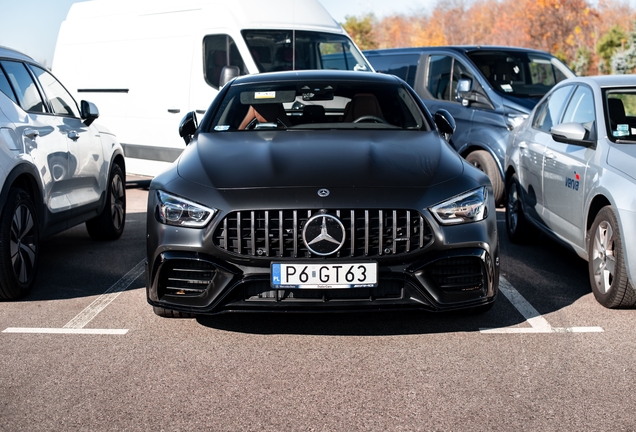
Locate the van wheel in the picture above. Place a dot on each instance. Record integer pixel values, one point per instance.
(606, 263)
(109, 225)
(517, 226)
(481, 159)
(169, 313)
(19, 245)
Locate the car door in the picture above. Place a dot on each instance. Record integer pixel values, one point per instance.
(532, 144)
(443, 74)
(43, 145)
(85, 157)
(566, 170)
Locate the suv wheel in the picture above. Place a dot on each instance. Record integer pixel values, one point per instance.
(606, 262)
(482, 160)
(109, 225)
(19, 245)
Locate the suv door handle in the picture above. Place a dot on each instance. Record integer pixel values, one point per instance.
(73, 135)
(30, 133)
(174, 110)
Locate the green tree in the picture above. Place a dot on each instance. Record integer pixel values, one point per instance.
(607, 45)
(361, 30)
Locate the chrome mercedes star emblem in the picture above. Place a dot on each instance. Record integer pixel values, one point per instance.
(323, 193)
(324, 234)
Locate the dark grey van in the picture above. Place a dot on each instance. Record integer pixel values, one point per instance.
(488, 90)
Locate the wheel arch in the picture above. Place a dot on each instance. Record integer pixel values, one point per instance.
(25, 177)
(468, 148)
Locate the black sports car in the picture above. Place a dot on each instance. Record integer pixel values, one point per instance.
(320, 191)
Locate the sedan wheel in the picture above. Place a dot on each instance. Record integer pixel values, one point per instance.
(607, 264)
(19, 240)
(517, 227)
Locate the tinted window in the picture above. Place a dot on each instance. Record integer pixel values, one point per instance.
(220, 51)
(28, 95)
(549, 113)
(403, 66)
(519, 73)
(61, 101)
(581, 109)
(439, 76)
(275, 50)
(5, 87)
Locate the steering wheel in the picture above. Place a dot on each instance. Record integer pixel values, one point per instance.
(372, 118)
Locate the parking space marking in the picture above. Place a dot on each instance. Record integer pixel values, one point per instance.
(77, 324)
(538, 324)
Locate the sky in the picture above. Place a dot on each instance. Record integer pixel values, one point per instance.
(31, 26)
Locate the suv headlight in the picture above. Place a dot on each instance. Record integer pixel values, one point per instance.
(174, 210)
(465, 208)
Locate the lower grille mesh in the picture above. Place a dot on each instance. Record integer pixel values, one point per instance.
(186, 277)
(458, 273)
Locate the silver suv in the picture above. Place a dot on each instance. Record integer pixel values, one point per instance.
(57, 169)
(571, 171)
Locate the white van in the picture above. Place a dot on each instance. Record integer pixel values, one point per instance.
(146, 63)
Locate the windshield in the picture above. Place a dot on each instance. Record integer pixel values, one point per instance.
(276, 50)
(317, 105)
(620, 114)
(520, 74)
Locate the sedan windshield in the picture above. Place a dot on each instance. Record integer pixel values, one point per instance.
(318, 105)
(520, 74)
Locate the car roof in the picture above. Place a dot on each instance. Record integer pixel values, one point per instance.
(605, 80)
(6, 52)
(317, 75)
(457, 48)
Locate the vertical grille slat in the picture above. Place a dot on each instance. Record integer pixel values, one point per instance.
(278, 233)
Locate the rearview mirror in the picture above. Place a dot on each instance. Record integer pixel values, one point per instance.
(228, 73)
(89, 112)
(188, 126)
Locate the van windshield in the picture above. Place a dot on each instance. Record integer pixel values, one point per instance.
(520, 74)
(276, 50)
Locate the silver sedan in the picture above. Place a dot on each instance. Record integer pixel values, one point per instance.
(571, 172)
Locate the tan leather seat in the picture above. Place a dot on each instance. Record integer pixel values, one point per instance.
(363, 104)
(265, 113)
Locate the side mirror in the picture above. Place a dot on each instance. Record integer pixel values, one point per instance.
(570, 133)
(228, 73)
(188, 126)
(445, 123)
(464, 89)
(89, 112)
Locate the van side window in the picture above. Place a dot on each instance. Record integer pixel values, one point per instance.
(444, 72)
(5, 87)
(220, 51)
(25, 88)
(61, 101)
(402, 66)
(549, 113)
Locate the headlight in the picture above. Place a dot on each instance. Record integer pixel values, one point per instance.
(174, 210)
(465, 208)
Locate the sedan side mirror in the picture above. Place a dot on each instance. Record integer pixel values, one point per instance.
(571, 133)
(89, 112)
(188, 126)
(445, 123)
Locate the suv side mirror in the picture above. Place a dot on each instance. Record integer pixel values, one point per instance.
(228, 73)
(188, 126)
(445, 123)
(89, 112)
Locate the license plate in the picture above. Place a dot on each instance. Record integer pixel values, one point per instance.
(324, 275)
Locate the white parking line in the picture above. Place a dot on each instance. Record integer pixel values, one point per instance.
(77, 324)
(538, 324)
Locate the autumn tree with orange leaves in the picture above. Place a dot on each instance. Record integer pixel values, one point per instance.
(568, 29)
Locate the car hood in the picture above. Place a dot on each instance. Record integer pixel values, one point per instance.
(363, 158)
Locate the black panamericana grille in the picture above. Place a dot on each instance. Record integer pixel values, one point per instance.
(278, 233)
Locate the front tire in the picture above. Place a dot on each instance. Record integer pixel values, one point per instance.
(517, 226)
(606, 263)
(482, 160)
(19, 245)
(109, 224)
